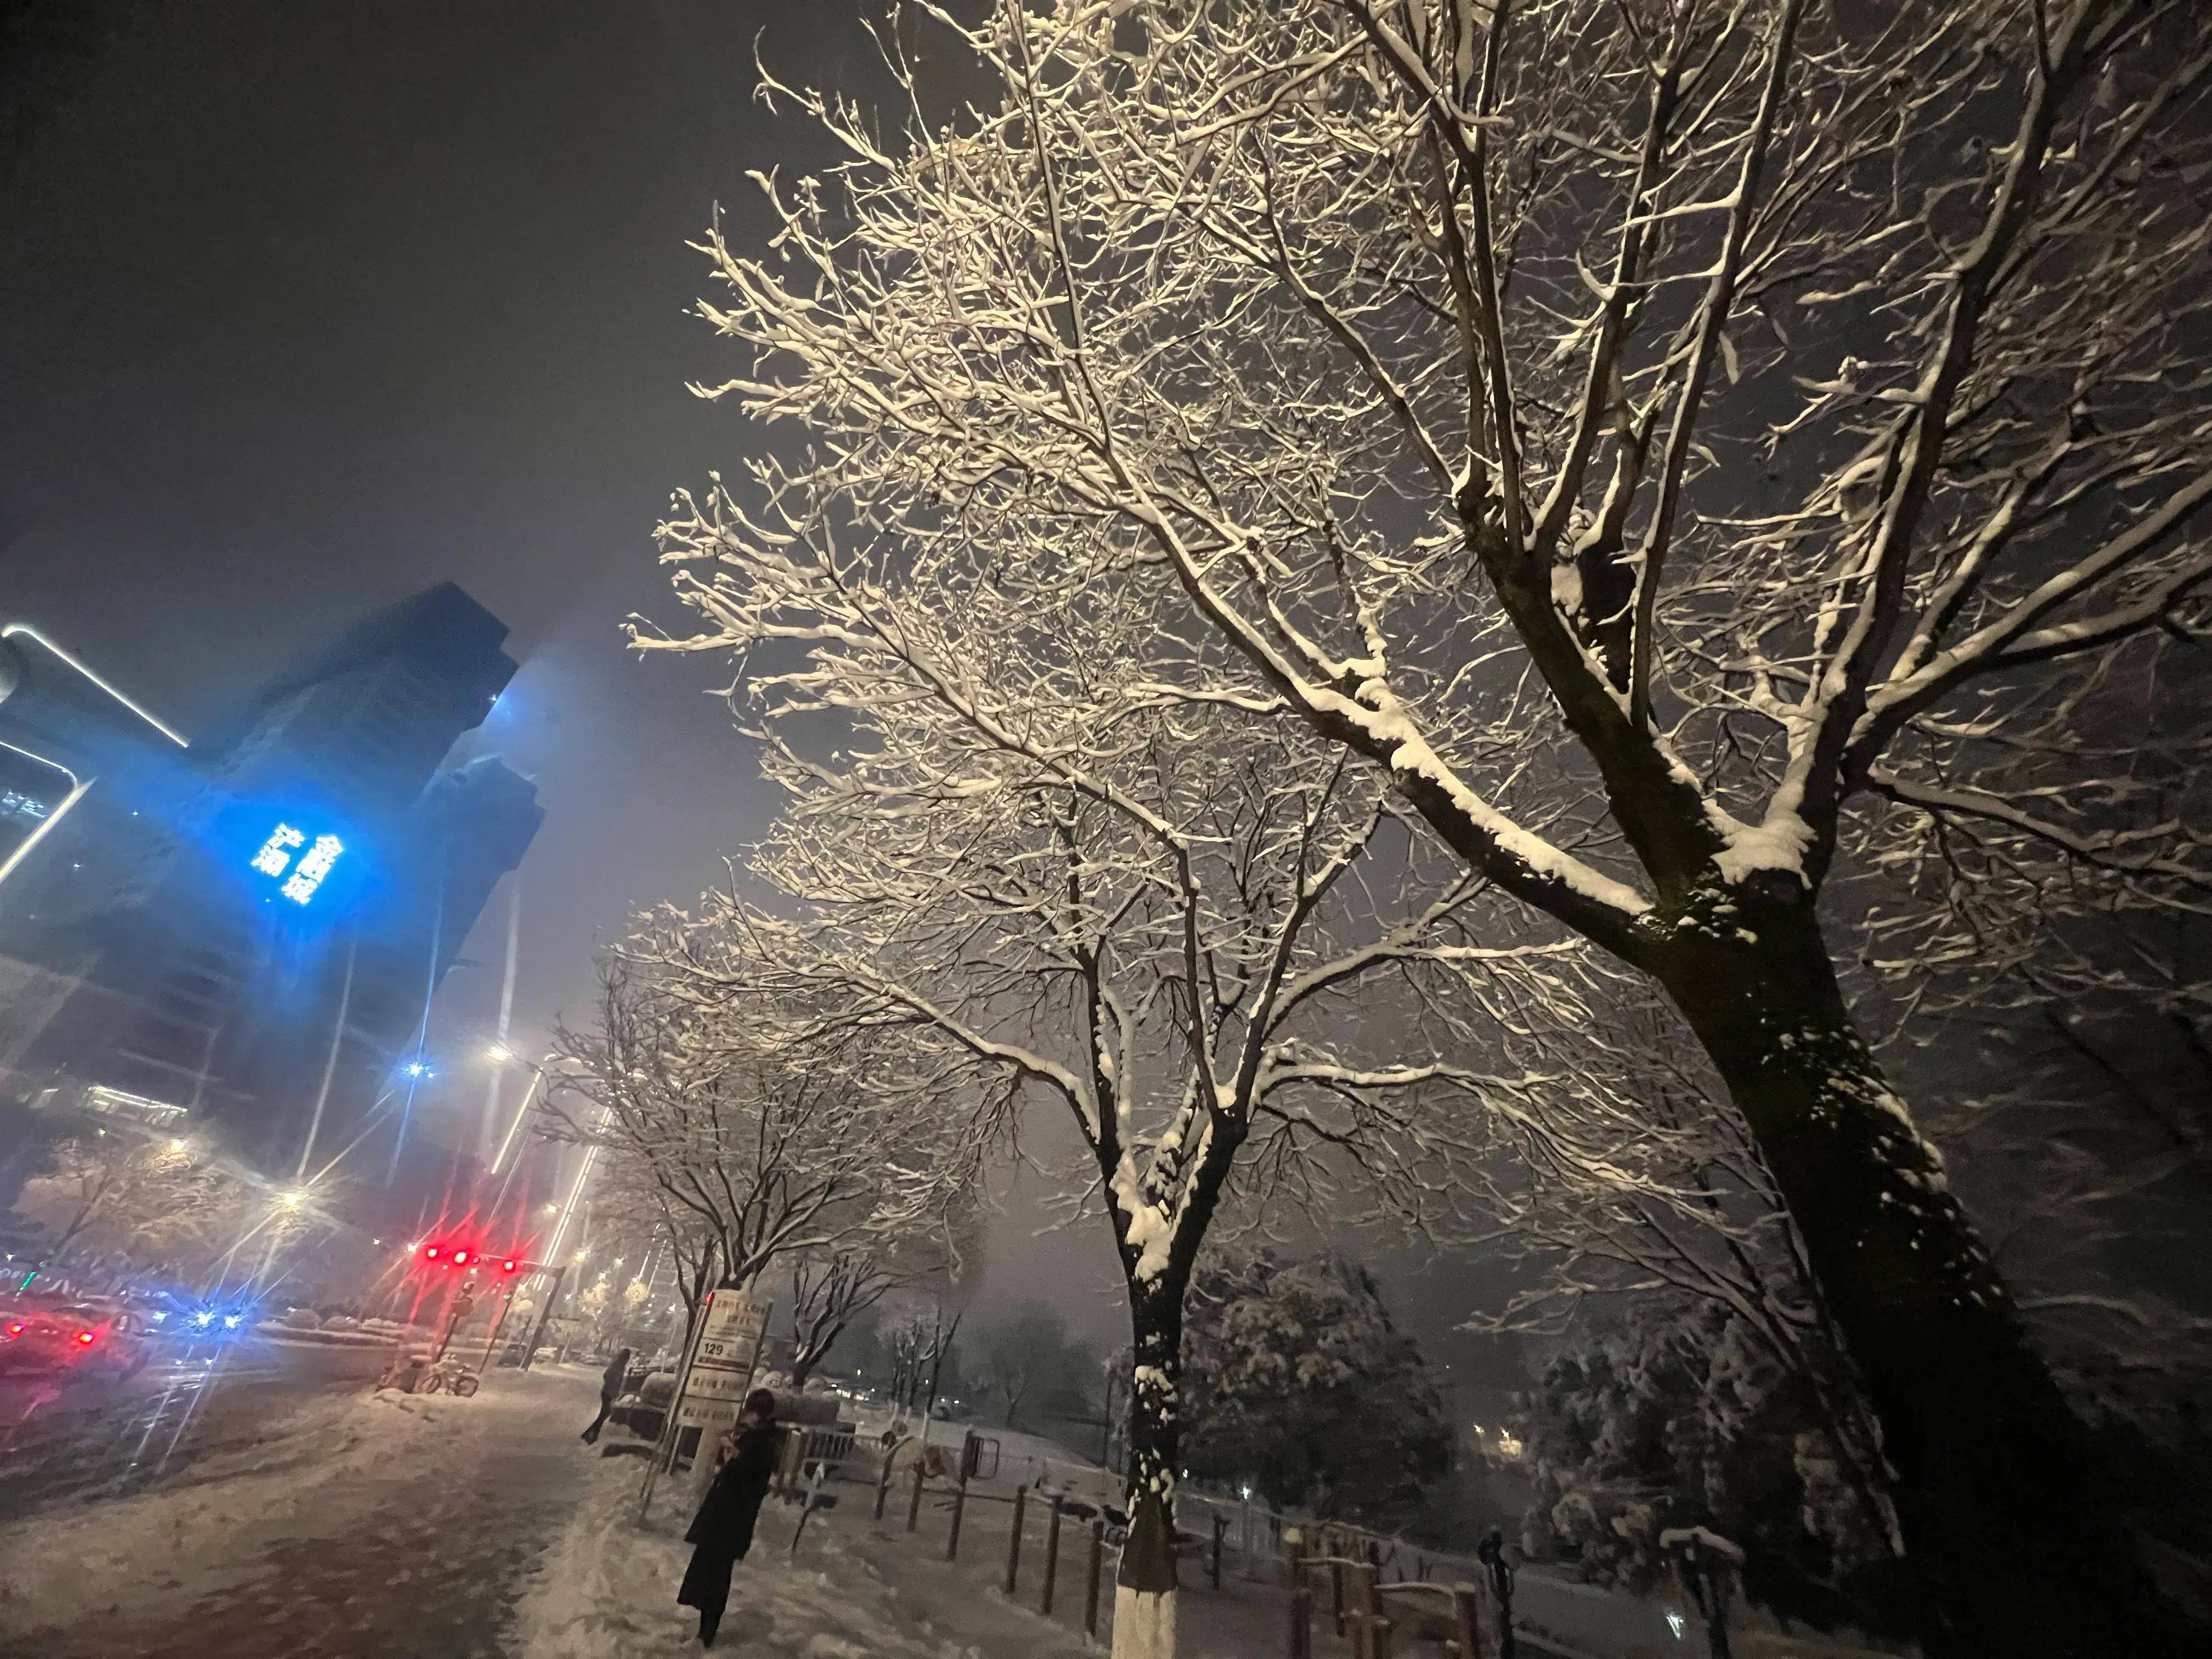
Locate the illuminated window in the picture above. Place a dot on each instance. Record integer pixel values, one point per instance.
(277, 851)
(314, 866)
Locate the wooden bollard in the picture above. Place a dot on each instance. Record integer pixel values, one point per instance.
(1014, 1541)
(913, 1505)
(884, 1481)
(1301, 1599)
(1051, 1556)
(1466, 1604)
(959, 1508)
(1213, 1561)
(1361, 1613)
(1090, 1595)
(1301, 1622)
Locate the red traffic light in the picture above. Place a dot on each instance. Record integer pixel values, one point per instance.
(460, 1258)
(510, 1266)
(430, 1252)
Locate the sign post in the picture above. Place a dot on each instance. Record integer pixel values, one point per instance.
(717, 1376)
(722, 1371)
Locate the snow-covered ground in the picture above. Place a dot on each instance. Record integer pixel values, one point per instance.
(359, 1524)
(608, 1589)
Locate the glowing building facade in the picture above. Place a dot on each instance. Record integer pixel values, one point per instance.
(222, 936)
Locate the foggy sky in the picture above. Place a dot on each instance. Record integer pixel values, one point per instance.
(306, 304)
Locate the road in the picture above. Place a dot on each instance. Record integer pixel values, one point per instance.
(75, 1435)
(300, 1514)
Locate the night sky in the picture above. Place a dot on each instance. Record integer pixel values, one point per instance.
(307, 304)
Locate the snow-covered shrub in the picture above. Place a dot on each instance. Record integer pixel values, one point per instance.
(304, 1319)
(1673, 1418)
(1297, 1381)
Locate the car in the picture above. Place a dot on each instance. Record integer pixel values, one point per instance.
(192, 1318)
(72, 1336)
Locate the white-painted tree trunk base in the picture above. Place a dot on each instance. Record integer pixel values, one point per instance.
(1144, 1624)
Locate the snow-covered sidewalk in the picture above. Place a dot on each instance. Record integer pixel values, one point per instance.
(368, 1525)
(608, 1589)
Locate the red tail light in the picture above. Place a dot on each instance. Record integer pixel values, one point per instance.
(14, 1327)
(510, 1266)
(85, 1337)
(429, 1252)
(460, 1258)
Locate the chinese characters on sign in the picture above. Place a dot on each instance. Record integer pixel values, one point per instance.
(722, 1368)
(301, 879)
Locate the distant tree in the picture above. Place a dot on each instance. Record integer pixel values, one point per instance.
(1027, 1358)
(916, 1341)
(1679, 1414)
(594, 1300)
(1299, 1382)
(736, 1150)
(139, 1197)
(830, 1290)
(835, 1287)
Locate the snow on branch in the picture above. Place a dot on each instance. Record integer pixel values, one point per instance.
(1554, 409)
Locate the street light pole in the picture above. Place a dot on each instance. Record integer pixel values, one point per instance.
(529, 1353)
(330, 1062)
(498, 1325)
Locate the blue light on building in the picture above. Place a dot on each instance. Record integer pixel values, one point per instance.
(299, 880)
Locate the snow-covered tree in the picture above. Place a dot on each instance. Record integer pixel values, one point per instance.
(918, 1342)
(1202, 938)
(1699, 453)
(1674, 1414)
(1301, 1384)
(141, 1198)
(1640, 1179)
(1029, 1361)
(833, 1286)
(746, 1153)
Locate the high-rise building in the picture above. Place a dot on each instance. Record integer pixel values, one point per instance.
(64, 730)
(252, 941)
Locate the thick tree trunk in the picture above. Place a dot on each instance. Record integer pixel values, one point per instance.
(2016, 1547)
(1144, 1589)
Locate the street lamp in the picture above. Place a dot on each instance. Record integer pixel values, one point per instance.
(499, 1054)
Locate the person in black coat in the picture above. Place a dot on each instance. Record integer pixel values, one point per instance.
(611, 1383)
(723, 1531)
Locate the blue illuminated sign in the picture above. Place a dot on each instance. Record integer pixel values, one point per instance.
(298, 872)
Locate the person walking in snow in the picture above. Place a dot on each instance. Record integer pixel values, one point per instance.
(723, 1531)
(611, 1387)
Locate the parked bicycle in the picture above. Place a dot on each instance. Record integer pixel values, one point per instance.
(416, 1372)
(449, 1376)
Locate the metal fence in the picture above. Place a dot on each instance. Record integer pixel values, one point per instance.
(1260, 1581)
